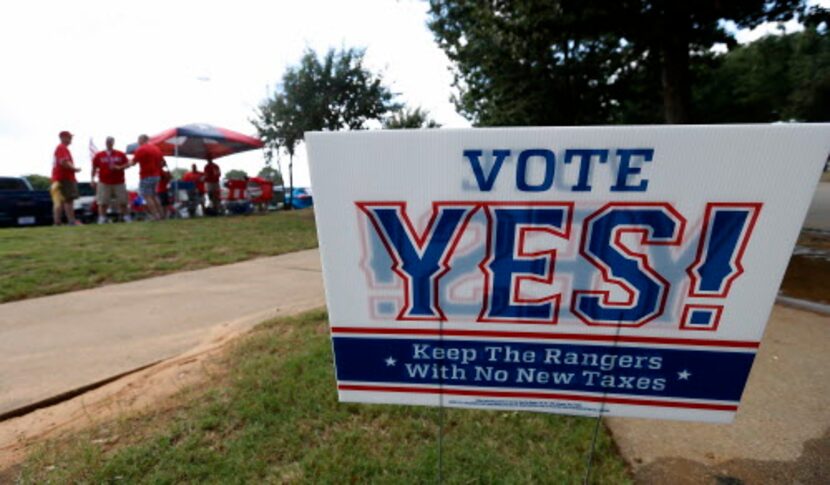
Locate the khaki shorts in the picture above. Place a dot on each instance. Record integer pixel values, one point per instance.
(55, 192)
(214, 190)
(63, 191)
(107, 192)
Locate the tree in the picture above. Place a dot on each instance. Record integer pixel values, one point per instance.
(332, 92)
(178, 173)
(519, 62)
(527, 62)
(269, 173)
(675, 31)
(809, 77)
(410, 118)
(236, 174)
(776, 78)
(280, 126)
(271, 134)
(39, 182)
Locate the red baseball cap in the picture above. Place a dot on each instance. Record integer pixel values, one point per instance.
(64, 133)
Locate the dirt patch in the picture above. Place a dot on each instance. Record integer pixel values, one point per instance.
(806, 276)
(137, 392)
(812, 467)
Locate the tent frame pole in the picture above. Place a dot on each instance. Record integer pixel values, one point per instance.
(176, 170)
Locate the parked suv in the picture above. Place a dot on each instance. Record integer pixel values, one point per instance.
(20, 205)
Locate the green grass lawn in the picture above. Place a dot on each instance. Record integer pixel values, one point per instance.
(272, 417)
(47, 260)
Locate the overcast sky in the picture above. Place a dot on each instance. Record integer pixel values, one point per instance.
(101, 68)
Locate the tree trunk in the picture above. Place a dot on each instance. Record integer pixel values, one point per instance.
(290, 181)
(282, 180)
(674, 53)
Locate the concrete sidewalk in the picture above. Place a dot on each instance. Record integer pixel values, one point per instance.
(56, 344)
(780, 435)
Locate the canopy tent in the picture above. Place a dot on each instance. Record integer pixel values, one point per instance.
(201, 141)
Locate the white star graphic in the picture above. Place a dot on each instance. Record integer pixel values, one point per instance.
(684, 375)
(390, 361)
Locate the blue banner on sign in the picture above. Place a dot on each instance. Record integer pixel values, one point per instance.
(638, 371)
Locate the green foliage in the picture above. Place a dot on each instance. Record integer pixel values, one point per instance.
(410, 118)
(776, 78)
(94, 255)
(332, 92)
(271, 173)
(274, 418)
(236, 174)
(178, 173)
(521, 62)
(39, 182)
(564, 62)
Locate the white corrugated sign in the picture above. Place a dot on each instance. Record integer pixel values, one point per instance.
(623, 270)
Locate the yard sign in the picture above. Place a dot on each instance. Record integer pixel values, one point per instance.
(623, 270)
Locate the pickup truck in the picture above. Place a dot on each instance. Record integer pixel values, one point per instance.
(85, 208)
(20, 205)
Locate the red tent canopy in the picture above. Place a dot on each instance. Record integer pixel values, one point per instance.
(201, 141)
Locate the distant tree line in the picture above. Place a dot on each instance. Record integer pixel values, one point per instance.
(776, 78)
(38, 182)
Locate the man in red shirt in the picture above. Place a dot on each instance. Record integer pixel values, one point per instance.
(212, 176)
(150, 160)
(197, 195)
(64, 188)
(109, 165)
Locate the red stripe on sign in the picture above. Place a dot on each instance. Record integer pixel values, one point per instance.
(546, 336)
(539, 395)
